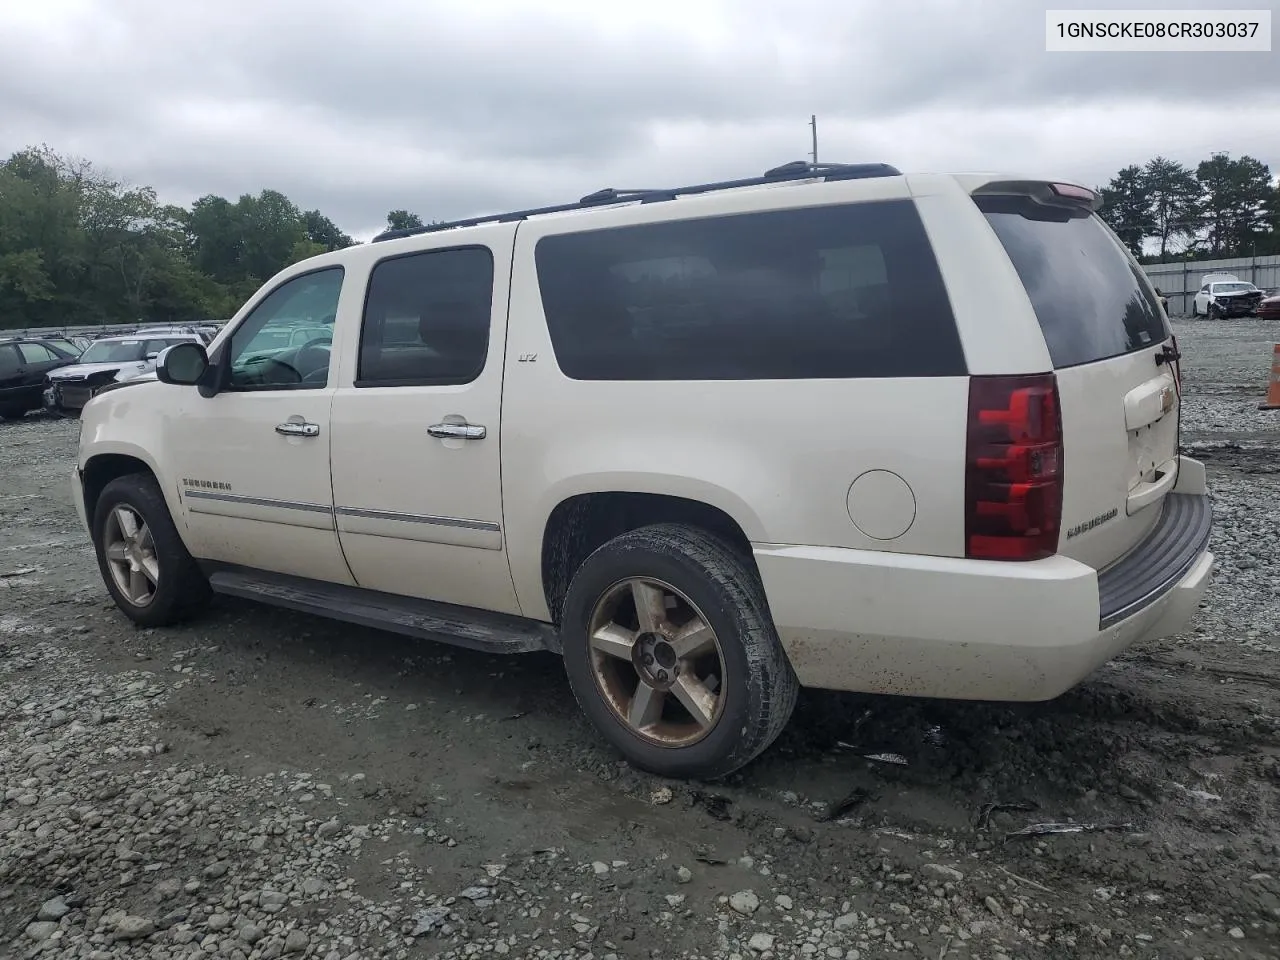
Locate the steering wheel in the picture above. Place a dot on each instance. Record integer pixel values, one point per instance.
(289, 373)
(313, 358)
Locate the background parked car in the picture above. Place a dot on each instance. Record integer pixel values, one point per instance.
(24, 366)
(1269, 308)
(70, 345)
(1226, 298)
(107, 360)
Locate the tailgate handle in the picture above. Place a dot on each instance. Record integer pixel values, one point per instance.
(1148, 492)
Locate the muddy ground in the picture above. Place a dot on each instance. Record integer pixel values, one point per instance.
(262, 783)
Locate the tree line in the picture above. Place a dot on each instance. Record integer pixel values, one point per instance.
(1223, 208)
(78, 246)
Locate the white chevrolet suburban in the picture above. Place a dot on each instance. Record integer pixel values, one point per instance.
(834, 426)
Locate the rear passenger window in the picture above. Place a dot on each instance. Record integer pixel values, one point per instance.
(8, 361)
(426, 319)
(36, 353)
(824, 292)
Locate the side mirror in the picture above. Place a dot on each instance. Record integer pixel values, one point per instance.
(183, 364)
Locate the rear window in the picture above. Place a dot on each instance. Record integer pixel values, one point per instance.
(824, 292)
(1091, 301)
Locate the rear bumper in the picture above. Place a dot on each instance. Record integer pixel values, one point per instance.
(977, 630)
(1159, 563)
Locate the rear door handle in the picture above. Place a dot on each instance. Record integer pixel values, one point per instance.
(457, 431)
(291, 429)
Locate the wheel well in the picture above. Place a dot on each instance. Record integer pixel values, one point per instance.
(101, 470)
(581, 524)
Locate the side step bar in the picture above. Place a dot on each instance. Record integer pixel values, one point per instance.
(424, 619)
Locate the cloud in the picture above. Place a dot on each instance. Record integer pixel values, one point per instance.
(453, 109)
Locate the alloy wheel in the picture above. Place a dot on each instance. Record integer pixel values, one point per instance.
(657, 661)
(131, 555)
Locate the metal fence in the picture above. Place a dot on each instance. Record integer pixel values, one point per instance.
(1180, 282)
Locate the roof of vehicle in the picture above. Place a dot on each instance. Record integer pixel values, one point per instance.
(797, 170)
(149, 335)
(48, 341)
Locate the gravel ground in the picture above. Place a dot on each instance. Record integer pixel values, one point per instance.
(263, 784)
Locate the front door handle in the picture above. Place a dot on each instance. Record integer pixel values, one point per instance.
(291, 429)
(457, 431)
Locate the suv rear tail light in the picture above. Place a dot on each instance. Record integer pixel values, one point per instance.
(1013, 475)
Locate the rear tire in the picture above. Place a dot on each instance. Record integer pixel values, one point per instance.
(706, 687)
(143, 561)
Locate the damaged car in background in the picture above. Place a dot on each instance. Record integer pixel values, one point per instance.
(1225, 295)
(109, 360)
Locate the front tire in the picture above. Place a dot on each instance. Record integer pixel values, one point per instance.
(143, 561)
(672, 653)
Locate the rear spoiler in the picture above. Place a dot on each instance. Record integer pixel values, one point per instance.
(1053, 193)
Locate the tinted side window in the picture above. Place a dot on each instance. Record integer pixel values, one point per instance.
(264, 355)
(426, 319)
(8, 361)
(826, 292)
(1091, 301)
(36, 353)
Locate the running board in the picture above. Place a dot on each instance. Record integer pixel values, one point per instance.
(408, 616)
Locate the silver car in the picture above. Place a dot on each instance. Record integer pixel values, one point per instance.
(108, 360)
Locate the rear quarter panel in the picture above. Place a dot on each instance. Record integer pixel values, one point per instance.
(778, 456)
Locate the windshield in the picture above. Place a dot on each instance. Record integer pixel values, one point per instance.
(113, 351)
(1232, 287)
(129, 351)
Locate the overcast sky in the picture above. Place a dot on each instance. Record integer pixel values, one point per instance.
(471, 106)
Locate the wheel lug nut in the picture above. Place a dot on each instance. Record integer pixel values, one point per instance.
(662, 676)
(648, 659)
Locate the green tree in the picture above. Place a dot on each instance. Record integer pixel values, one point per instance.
(1175, 201)
(323, 232)
(80, 246)
(403, 220)
(1236, 194)
(271, 229)
(1269, 242)
(215, 238)
(1126, 207)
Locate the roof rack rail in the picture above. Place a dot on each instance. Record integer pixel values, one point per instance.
(795, 170)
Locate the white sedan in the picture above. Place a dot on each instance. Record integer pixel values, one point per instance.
(1231, 298)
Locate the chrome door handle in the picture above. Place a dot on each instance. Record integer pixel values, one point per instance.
(291, 429)
(457, 431)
